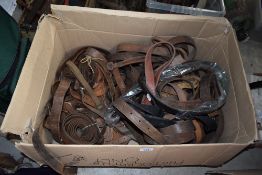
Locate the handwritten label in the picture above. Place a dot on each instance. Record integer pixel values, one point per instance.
(146, 149)
(127, 162)
(76, 160)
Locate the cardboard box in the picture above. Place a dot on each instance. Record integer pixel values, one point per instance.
(59, 35)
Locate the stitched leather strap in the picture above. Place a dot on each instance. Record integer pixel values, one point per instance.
(139, 121)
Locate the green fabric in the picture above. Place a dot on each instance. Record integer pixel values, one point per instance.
(230, 4)
(4, 100)
(13, 51)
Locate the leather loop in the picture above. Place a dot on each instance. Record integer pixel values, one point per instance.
(149, 72)
(79, 128)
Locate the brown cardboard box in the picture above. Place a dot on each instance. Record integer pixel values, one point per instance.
(70, 28)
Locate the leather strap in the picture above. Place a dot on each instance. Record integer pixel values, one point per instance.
(102, 62)
(193, 107)
(126, 59)
(182, 42)
(50, 159)
(127, 47)
(53, 120)
(149, 72)
(180, 132)
(112, 136)
(139, 121)
(79, 128)
(119, 81)
(199, 131)
(83, 81)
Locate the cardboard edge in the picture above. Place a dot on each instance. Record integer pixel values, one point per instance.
(247, 88)
(230, 150)
(57, 8)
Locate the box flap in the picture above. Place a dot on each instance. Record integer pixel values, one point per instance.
(138, 23)
(26, 90)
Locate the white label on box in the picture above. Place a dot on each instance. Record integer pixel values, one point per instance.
(146, 149)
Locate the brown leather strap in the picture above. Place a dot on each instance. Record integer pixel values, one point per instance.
(127, 47)
(149, 72)
(53, 120)
(102, 62)
(131, 58)
(177, 41)
(181, 132)
(79, 128)
(85, 98)
(133, 74)
(182, 95)
(199, 131)
(112, 136)
(174, 83)
(50, 159)
(119, 81)
(126, 59)
(138, 120)
(83, 81)
(183, 42)
(205, 83)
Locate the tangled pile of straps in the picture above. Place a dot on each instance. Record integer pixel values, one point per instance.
(148, 94)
